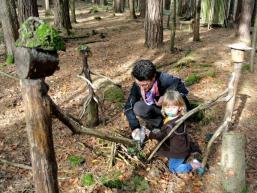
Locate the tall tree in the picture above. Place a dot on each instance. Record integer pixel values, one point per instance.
(10, 24)
(173, 25)
(73, 11)
(245, 21)
(153, 24)
(62, 16)
(197, 21)
(142, 7)
(118, 6)
(132, 9)
(27, 8)
(253, 51)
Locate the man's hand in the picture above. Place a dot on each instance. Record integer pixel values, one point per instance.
(159, 102)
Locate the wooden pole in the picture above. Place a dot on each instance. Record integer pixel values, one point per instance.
(233, 162)
(39, 129)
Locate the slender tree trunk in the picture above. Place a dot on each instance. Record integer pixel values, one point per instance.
(166, 4)
(197, 21)
(61, 15)
(173, 24)
(153, 24)
(132, 9)
(27, 8)
(142, 8)
(179, 8)
(73, 11)
(253, 51)
(39, 129)
(47, 5)
(118, 6)
(245, 21)
(10, 24)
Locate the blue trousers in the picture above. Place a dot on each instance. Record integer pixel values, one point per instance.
(178, 166)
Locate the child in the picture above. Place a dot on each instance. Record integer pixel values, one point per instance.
(177, 147)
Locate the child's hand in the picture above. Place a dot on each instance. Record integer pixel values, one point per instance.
(159, 102)
(136, 134)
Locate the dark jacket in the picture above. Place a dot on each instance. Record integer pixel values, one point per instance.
(165, 81)
(177, 145)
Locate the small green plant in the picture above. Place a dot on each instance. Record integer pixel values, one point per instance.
(136, 183)
(76, 160)
(245, 190)
(113, 93)
(9, 59)
(211, 74)
(87, 179)
(192, 79)
(246, 67)
(185, 62)
(205, 65)
(116, 183)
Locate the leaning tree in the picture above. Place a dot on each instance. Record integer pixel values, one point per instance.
(153, 24)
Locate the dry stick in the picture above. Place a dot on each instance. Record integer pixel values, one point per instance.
(77, 128)
(8, 75)
(203, 106)
(23, 166)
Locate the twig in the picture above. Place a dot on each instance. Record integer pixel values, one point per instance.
(8, 75)
(88, 81)
(113, 153)
(23, 166)
(119, 154)
(187, 115)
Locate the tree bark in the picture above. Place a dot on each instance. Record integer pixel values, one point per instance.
(39, 129)
(73, 11)
(173, 24)
(233, 162)
(142, 8)
(118, 6)
(253, 51)
(61, 15)
(47, 5)
(27, 8)
(153, 24)
(197, 21)
(245, 21)
(10, 24)
(132, 14)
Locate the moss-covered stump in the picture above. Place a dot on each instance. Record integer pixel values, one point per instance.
(112, 92)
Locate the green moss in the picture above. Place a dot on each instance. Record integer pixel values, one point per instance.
(246, 67)
(9, 59)
(113, 93)
(35, 33)
(192, 79)
(185, 61)
(116, 183)
(211, 74)
(87, 179)
(205, 65)
(76, 160)
(136, 183)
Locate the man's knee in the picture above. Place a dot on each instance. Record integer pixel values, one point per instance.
(141, 109)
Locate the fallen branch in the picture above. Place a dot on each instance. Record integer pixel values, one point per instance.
(203, 106)
(107, 78)
(8, 75)
(77, 128)
(23, 166)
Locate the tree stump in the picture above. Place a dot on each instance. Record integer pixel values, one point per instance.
(34, 66)
(233, 162)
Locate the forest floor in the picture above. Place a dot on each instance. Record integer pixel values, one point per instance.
(113, 57)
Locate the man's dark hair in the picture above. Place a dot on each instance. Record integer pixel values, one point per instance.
(143, 70)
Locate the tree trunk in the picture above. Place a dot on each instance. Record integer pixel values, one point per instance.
(73, 11)
(47, 6)
(233, 162)
(132, 14)
(118, 6)
(173, 24)
(27, 8)
(142, 8)
(197, 21)
(153, 24)
(39, 129)
(92, 108)
(61, 15)
(166, 4)
(10, 24)
(253, 51)
(179, 8)
(245, 21)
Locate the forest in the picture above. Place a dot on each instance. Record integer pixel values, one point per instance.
(69, 88)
